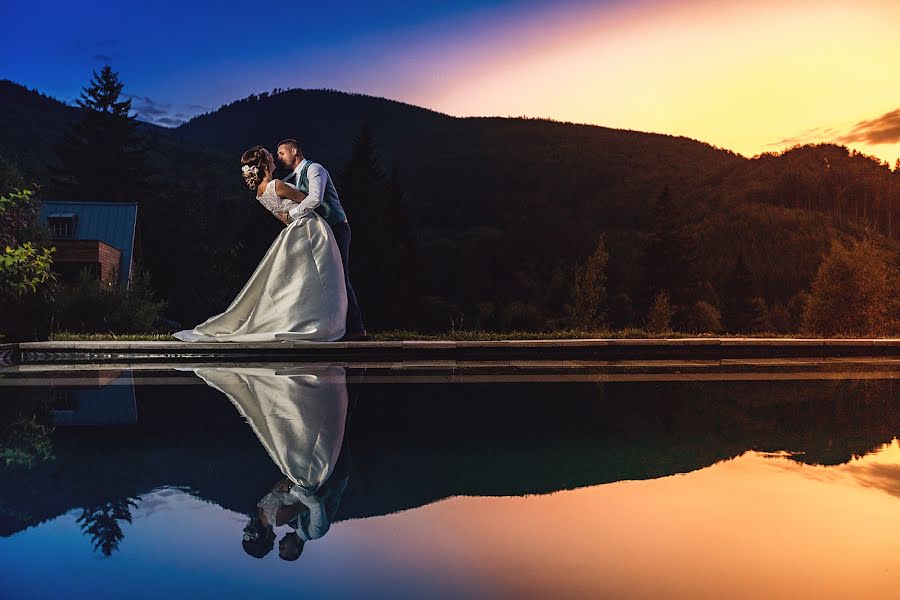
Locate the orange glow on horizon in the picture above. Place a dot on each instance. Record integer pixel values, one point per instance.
(756, 526)
(750, 77)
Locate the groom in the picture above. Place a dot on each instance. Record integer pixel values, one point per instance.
(312, 179)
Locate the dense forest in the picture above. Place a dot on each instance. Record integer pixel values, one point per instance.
(492, 223)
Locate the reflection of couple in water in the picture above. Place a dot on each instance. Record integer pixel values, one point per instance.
(300, 416)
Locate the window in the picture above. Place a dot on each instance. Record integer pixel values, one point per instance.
(62, 401)
(62, 225)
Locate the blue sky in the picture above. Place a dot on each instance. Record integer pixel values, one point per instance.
(752, 76)
(181, 58)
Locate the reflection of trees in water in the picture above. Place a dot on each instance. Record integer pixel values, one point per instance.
(25, 442)
(485, 439)
(101, 523)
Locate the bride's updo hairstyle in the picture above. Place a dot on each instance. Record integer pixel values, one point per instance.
(254, 166)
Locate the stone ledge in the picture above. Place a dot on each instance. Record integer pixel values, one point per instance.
(419, 350)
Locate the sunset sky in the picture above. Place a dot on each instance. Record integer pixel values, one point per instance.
(749, 76)
(757, 526)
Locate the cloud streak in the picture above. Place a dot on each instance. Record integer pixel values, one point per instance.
(160, 113)
(881, 130)
(815, 134)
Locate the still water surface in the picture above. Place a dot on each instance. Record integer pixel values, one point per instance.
(622, 489)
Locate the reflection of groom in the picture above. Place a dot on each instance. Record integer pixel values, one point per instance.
(312, 179)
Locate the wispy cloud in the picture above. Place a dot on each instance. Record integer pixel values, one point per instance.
(161, 113)
(816, 134)
(169, 122)
(881, 130)
(149, 110)
(103, 58)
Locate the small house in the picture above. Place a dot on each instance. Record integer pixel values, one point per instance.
(98, 236)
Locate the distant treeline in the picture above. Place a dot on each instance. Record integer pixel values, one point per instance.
(489, 223)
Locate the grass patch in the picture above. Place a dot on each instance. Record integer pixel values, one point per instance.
(565, 334)
(66, 336)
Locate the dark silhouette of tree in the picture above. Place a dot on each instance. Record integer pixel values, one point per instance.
(741, 311)
(856, 291)
(101, 523)
(659, 317)
(103, 156)
(383, 256)
(588, 310)
(672, 262)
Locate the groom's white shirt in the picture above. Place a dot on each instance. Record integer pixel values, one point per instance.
(318, 520)
(318, 176)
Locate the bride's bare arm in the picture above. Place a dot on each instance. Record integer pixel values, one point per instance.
(283, 190)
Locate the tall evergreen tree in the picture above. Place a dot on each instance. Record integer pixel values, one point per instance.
(672, 259)
(101, 523)
(383, 259)
(103, 156)
(741, 312)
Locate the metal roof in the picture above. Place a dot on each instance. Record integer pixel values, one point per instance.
(110, 222)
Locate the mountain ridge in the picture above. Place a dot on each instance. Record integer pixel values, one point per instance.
(501, 209)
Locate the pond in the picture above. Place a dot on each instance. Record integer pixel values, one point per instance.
(328, 481)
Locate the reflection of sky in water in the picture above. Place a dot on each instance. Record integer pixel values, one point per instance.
(756, 526)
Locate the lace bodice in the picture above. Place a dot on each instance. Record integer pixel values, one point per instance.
(273, 203)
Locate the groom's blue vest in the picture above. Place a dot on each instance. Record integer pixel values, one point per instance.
(330, 209)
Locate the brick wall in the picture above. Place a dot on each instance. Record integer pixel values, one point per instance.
(70, 254)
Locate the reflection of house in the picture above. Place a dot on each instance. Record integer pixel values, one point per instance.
(108, 401)
(99, 236)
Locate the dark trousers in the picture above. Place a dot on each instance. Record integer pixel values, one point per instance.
(354, 318)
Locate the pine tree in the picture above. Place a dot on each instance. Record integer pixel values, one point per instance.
(740, 310)
(672, 264)
(101, 523)
(384, 259)
(103, 155)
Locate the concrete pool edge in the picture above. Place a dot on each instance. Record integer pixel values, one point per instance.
(95, 352)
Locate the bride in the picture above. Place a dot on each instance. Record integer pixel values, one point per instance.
(297, 292)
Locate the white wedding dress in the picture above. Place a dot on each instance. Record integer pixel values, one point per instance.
(299, 415)
(296, 293)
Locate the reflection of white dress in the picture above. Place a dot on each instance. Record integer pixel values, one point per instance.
(296, 293)
(298, 415)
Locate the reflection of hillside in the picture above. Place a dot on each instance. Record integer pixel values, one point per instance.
(534, 438)
(414, 444)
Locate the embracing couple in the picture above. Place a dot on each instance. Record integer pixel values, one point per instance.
(301, 289)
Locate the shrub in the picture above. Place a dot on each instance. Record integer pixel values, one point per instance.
(703, 317)
(27, 285)
(589, 290)
(854, 293)
(94, 306)
(521, 316)
(659, 319)
(779, 318)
